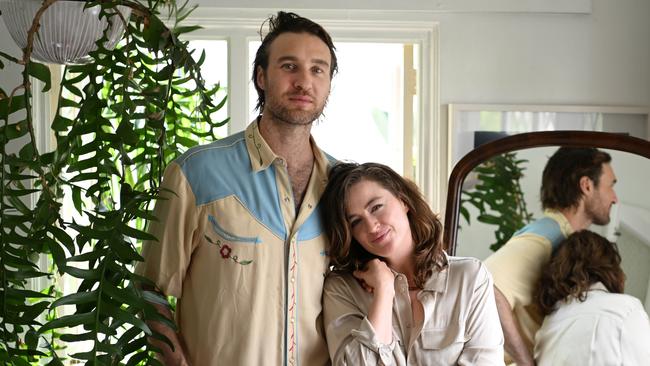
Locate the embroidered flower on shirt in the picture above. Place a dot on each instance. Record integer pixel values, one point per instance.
(225, 251)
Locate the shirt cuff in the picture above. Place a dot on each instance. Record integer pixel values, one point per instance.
(366, 335)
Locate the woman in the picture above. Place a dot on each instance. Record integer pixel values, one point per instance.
(589, 321)
(395, 297)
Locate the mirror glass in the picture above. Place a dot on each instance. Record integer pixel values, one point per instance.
(630, 218)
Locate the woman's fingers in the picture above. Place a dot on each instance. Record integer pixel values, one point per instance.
(375, 274)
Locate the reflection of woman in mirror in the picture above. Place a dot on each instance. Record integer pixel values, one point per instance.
(589, 321)
(395, 297)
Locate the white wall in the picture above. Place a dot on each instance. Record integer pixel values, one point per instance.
(601, 58)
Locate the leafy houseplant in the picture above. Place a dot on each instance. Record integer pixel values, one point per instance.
(120, 119)
(498, 197)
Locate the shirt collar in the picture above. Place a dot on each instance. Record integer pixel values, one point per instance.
(565, 226)
(598, 286)
(262, 156)
(439, 279)
(259, 151)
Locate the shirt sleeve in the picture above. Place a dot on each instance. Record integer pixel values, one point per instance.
(635, 337)
(167, 259)
(483, 329)
(516, 267)
(351, 339)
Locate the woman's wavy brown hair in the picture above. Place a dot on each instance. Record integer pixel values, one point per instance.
(581, 260)
(346, 253)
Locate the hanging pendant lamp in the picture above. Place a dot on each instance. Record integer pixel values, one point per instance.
(67, 32)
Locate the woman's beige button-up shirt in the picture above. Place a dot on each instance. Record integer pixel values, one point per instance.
(461, 324)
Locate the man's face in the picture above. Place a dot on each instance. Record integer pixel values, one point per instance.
(600, 201)
(297, 80)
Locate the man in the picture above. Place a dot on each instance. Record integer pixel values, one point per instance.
(577, 191)
(240, 240)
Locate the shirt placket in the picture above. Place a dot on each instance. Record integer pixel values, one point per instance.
(292, 312)
(291, 262)
(403, 308)
(428, 300)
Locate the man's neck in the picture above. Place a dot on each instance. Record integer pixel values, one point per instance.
(576, 217)
(291, 142)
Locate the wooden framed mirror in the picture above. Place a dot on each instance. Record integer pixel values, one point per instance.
(630, 217)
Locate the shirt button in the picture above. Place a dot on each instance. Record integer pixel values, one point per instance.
(293, 279)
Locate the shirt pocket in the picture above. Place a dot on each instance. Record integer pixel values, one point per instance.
(233, 232)
(442, 345)
(232, 244)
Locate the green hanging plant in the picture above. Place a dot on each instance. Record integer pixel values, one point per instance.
(119, 121)
(498, 197)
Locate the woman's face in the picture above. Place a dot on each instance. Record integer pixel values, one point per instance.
(378, 220)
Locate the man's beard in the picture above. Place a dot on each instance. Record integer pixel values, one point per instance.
(598, 217)
(293, 117)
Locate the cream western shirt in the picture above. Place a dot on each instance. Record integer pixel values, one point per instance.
(517, 265)
(605, 330)
(461, 324)
(247, 269)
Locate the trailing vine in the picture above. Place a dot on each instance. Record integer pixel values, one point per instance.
(119, 121)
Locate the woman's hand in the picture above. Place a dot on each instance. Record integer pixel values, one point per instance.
(376, 277)
(379, 280)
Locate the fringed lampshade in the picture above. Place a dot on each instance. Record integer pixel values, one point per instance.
(67, 33)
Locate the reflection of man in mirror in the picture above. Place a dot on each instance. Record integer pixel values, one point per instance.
(577, 191)
(588, 317)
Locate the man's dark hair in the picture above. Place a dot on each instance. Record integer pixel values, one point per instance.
(561, 177)
(285, 22)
